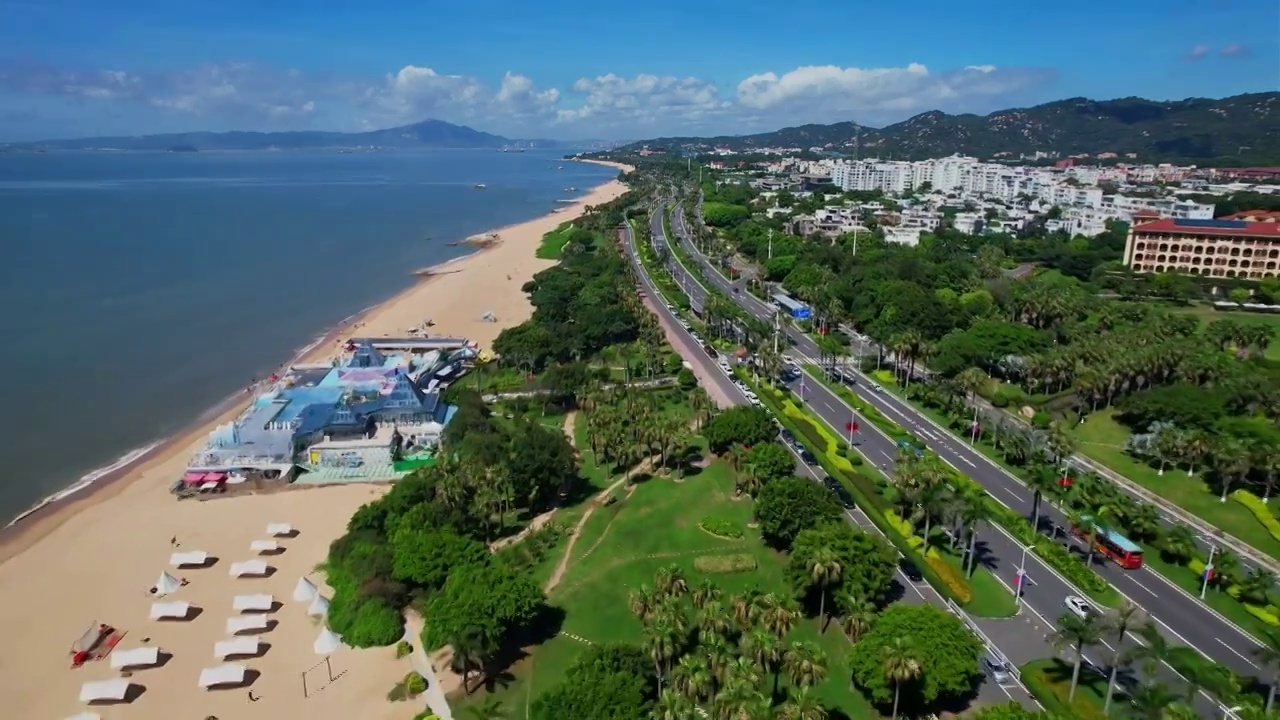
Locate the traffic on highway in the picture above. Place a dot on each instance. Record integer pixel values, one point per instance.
(1183, 618)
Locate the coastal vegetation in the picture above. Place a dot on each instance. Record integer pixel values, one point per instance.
(1183, 403)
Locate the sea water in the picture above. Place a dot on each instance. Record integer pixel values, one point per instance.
(140, 289)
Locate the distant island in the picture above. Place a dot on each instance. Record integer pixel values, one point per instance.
(425, 134)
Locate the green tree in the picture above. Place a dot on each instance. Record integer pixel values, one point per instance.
(770, 461)
(787, 506)
(1077, 633)
(424, 557)
(946, 650)
(867, 564)
(742, 425)
(611, 682)
(900, 666)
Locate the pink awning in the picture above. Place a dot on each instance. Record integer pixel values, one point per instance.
(193, 477)
(215, 477)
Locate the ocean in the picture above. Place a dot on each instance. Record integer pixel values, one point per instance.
(144, 288)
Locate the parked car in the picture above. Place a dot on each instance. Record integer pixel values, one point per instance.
(1077, 606)
(996, 668)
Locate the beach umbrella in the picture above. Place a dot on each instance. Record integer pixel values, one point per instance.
(319, 606)
(327, 642)
(166, 584)
(304, 591)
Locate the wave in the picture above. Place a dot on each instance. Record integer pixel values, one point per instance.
(89, 479)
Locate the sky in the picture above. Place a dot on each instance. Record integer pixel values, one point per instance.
(569, 69)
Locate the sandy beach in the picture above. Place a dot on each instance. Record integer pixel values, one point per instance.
(91, 559)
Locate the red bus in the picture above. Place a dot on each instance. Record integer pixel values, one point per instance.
(1119, 548)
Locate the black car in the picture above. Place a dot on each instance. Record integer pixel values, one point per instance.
(808, 457)
(910, 570)
(786, 436)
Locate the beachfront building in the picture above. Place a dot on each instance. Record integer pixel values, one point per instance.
(358, 416)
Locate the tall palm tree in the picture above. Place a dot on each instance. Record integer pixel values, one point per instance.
(670, 582)
(1077, 633)
(1120, 622)
(973, 381)
(642, 603)
(801, 705)
(673, 706)
(781, 618)
(1153, 650)
(706, 592)
(713, 619)
(857, 615)
(765, 649)
(900, 666)
(824, 571)
(1268, 654)
(974, 510)
(693, 678)
(806, 664)
(1041, 484)
(660, 641)
(1150, 700)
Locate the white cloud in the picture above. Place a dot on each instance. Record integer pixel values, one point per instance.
(878, 95)
(245, 96)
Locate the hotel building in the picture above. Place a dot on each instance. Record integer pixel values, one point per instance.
(1214, 248)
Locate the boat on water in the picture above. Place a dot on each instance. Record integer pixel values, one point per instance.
(571, 189)
(560, 168)
(517, 150)
(567, 201)
(479, 186)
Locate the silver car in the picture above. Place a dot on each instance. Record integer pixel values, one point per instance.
(996, 668)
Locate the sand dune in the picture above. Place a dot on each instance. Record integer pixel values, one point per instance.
(94, 558)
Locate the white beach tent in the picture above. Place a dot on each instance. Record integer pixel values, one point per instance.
(248, 568)
(229, 674)
(237, 625)
(304, 590)
(166, 584)
(327, 642)
(85, 716)
(135, 658)
(253, 603)
(170, 610)
(319, 606)
(279, 529)
(100, 690)
(264, 546)
(193, 558)
(236, 479)
(237, 647)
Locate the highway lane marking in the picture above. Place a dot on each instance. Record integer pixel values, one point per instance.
(1014, 494)
(1236, 653)
(1046, 566)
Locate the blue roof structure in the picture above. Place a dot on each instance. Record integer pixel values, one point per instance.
(1213, 224)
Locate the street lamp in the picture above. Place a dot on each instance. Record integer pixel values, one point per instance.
(1022, 577)
(1208, 569)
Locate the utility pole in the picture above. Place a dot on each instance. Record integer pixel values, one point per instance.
(770, 243)
(775, 332)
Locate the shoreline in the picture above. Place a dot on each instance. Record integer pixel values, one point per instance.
(47, 515)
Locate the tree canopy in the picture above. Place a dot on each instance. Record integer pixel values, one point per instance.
(607, 682)
(867, 563)
(787, 506)
(946, 650)
(770, 461)
(740, 425)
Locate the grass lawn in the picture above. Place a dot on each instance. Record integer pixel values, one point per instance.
(1050, 682)
(1208, 314)
(1102, 438)
(553, 242)
(622, 546)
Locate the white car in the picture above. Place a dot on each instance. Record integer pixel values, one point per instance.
(1078, 607)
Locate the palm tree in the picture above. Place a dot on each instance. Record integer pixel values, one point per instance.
(972, 381)
(900, 666)
(765, 650)
(857, 615)
(714, 619)
(670, 582)
(1180, 543)
(824, 571)
(974, 510)
(806, 664)
(1041, 484)
(660, 642)
(801, 705)
(642, 603)
(1077, 633)
(1268, 654)
(693, 678)
(672, 706)
(1120, 621)
(781, 617)
(1151, 700)
(1153, 650)
(706, 592)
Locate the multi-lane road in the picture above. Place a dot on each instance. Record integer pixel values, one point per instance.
(1183, 617)
(1028, 636)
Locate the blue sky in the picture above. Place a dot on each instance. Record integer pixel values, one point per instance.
(571, 69)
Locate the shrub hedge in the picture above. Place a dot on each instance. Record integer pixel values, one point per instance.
(721, 527)
(1259, 510)
(1052, 693)
(865, 493)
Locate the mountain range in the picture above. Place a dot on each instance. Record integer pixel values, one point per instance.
(1239, 130)
(426, 134)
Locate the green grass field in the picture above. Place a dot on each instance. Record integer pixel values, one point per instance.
(553, 242)
(1102, 438)
(621, 546)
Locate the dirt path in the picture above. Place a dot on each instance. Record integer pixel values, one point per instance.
(595, 502)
